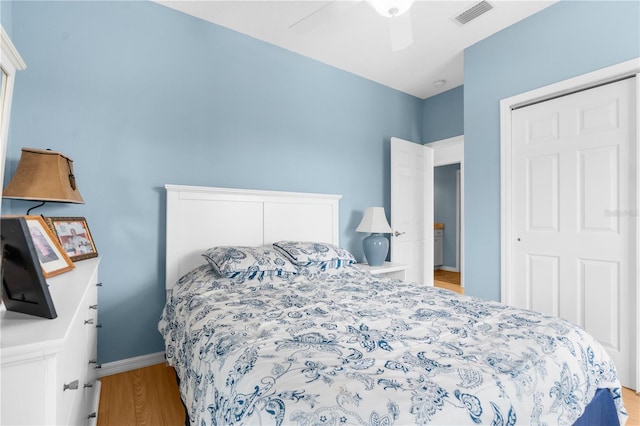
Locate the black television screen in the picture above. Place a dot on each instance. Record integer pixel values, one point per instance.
(24, 288)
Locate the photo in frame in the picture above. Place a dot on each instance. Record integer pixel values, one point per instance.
(53, 259)
(74, 236)
(24, 288)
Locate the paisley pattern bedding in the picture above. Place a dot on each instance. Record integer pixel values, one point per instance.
(341, 346)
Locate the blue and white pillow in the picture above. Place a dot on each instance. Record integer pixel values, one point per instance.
(308, 253)
(249, 262)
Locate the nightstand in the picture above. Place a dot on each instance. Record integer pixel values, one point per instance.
(388, 269)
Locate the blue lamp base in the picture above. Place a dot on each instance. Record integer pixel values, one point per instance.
(376, 247)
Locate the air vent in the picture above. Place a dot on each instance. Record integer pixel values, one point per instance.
(473, 12)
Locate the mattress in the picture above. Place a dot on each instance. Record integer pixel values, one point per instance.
(341, 346)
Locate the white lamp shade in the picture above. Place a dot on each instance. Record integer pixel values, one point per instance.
(375, 221)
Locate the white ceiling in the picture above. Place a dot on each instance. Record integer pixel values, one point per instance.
(351, 36)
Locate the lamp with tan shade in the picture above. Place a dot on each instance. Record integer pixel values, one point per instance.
(43, 175)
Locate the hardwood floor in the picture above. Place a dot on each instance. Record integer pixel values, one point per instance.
(146, 396)
(150, 396)
(447, 279)
(632, 404)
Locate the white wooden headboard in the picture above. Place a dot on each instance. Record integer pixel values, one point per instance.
(200, 217)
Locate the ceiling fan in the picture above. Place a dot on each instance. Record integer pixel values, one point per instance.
(399, 16)
(397, 12)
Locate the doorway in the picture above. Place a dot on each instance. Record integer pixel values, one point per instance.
(447, 216)
(449, 158)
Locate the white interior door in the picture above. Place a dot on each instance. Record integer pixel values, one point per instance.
(412, 209)
(574, 214)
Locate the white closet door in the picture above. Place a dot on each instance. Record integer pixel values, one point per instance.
(574, 214)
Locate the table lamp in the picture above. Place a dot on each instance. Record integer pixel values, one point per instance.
(376, 245)
(43, 175)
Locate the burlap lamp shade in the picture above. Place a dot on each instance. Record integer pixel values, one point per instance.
(43, 175)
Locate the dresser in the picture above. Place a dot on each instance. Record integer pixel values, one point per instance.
(48, 366)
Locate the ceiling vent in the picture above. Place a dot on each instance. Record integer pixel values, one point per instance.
(473, 12)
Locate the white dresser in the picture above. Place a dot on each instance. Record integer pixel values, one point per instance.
(48, 367)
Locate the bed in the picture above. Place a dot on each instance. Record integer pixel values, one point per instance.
(269, 321)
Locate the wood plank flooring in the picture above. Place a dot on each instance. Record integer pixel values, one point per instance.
(150, 396)
(447, 279)
(146, 396)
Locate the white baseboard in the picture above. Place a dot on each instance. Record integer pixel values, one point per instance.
(129, 364)
(448, 268)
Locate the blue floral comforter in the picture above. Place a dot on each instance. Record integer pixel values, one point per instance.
(344, 347)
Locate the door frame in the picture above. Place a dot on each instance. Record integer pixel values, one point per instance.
(445, 152)
(10, 63)
(507, 105)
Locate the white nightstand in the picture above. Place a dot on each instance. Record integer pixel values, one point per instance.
(389, 270)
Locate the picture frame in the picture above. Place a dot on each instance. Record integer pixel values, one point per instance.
(74, 236)
(52, 257)
(24, 288)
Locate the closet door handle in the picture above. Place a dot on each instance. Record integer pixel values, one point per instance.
(397, 234)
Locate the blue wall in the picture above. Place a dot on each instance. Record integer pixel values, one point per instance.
(565, 40)
(139, 95)
(5, 16)
(443, 115)
(444, 211)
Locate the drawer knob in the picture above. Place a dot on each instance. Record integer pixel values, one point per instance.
(71, 386)
(93, 306)
(89, 321)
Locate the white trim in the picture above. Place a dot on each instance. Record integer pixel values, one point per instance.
(10, 63)
(602, 76)
(10, 52)
(448, 268)
(129, 364)
(637, 234)
(445, 152)
(458, 219)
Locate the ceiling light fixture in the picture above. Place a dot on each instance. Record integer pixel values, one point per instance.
(391, 8)
(439, 83)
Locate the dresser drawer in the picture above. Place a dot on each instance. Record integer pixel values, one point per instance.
(45, 362)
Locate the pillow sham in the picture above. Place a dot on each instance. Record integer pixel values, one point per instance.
(307, 253)
(248, 262)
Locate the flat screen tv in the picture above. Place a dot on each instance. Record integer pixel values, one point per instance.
(24, 288)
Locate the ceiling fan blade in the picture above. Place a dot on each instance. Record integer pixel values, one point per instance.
(311, 14)
(330, 13)
(401, 31)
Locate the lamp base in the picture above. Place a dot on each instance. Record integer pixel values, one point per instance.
(376, 247)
